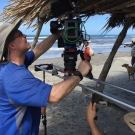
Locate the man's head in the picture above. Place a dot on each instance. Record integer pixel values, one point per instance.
(11, 39)
(129, 118)
(86, 43)
(18, 43)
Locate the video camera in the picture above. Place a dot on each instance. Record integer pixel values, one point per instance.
(69, 41)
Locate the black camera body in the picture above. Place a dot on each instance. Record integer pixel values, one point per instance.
(72, 35)
(72, 31)
(54, 26)
(70, 58)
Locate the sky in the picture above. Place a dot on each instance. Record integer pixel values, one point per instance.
(93, 25)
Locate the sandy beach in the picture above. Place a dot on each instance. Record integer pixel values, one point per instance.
(68, 117)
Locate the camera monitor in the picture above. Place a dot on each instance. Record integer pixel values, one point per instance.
(73, 32)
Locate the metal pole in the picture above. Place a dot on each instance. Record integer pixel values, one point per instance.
(92, 90)
(43, 69)
(44, 116)
(43, 76)
(114, 86)
(94, 79)
(103, 95)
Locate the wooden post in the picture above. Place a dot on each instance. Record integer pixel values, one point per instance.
(40, 25)
(107, 65)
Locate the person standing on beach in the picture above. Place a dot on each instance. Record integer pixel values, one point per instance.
(86, 55)
(91, 114)
(132, 50)
(88, 52)
(21, 94)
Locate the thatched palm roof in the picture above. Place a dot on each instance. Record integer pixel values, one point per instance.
(31, 9)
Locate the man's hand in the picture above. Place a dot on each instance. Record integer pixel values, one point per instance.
(91, 112)
(84, 67)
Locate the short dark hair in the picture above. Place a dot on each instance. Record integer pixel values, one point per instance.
(86, 41)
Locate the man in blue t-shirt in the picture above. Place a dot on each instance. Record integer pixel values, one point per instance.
(21, 94)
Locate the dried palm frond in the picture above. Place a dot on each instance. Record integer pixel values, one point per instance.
(28, 9)
(116, 20)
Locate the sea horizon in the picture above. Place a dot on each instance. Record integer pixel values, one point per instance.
(99, 43)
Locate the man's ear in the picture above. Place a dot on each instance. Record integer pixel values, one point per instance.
(10, 45)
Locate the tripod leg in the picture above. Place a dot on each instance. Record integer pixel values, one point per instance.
(43, 113)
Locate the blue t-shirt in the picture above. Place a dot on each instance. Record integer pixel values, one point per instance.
(21, 96)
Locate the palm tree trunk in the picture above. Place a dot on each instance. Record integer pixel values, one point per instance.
(108, 63)
(40, 25)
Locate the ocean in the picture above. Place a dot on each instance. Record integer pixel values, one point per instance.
(100, 44)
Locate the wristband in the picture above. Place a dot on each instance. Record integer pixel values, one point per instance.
(77, 73)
